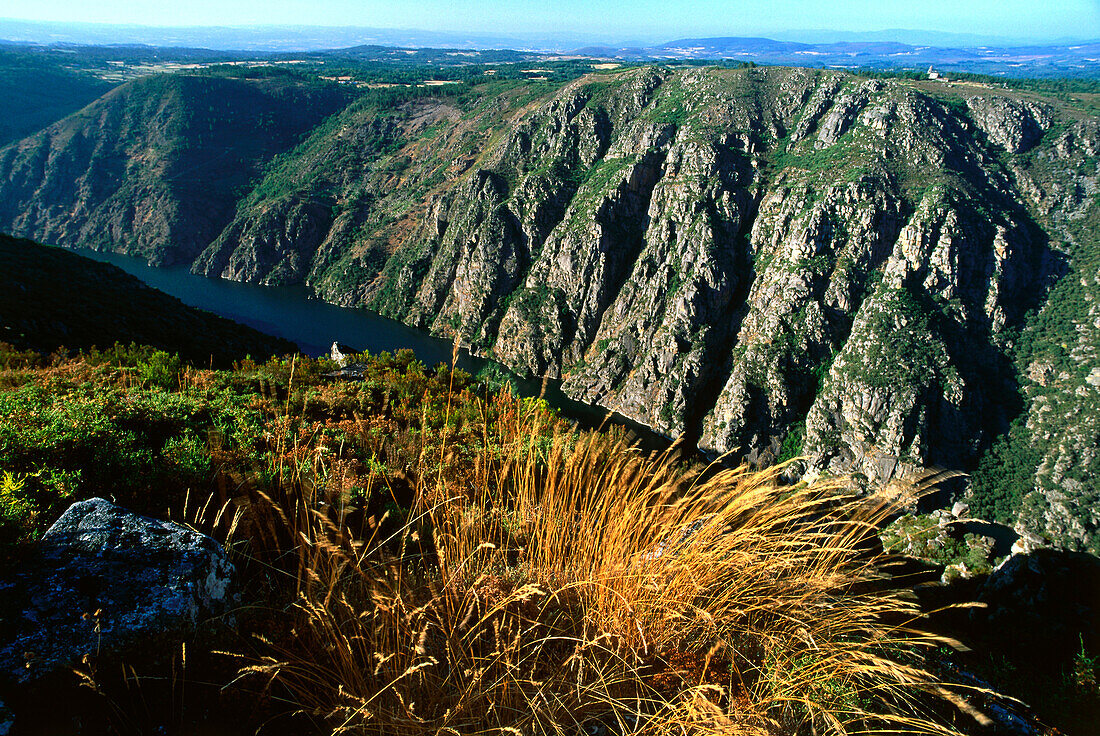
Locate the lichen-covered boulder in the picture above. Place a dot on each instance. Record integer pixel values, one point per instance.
(107, 582)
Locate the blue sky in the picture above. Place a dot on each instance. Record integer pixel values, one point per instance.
(665, 19)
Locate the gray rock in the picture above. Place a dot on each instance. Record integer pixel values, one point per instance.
(1028, 543)
(106, 582)
(1015, 126)
(350, 371)
(341, 354)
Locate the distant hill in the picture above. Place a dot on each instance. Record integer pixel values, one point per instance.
(37, 92)
(161, 160)
(50, 297)
(289, 38)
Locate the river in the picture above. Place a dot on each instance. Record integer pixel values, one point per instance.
(291, 312)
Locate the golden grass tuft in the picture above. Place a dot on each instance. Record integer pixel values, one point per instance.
(571, 582)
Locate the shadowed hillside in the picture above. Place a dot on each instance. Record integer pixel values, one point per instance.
(51, 298)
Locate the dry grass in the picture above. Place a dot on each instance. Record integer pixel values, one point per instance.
(571, 584)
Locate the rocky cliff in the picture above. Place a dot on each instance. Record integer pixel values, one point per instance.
(877, 274)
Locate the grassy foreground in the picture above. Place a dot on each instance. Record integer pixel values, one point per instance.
(423, 555)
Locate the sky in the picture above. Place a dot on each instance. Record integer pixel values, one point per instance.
(658, 19)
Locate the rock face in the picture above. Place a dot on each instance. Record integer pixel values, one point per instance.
(1015, 126)
(877, 274)
(108, 582)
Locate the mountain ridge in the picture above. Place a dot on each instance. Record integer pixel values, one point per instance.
(771, 261)
(158, 160)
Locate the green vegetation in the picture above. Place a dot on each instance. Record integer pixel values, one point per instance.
(286, 175)
(408, 265)
(792, 443)
(604, 175)
(540, 306)
(1053, 350)
(671, 107)
(1064, 83)
(845, 160)
(17, 510)
(1005, 474)
(922, 537)
(898, 353)
(64, 439)
(151, 428)
(178, 150)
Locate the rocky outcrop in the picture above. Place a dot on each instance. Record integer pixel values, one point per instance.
(656, 345)
(800, 308)
(108, 583)
(734, 257)
(1013, 125)
(907, 385)
(274, 248)
(777, 263)
(1056, 436)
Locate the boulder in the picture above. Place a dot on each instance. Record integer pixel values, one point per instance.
(341, 354)
(106, 582)
(1027, 543)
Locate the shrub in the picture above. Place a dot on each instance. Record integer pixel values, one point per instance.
(13, 358)
(16, 510)
(161, 370)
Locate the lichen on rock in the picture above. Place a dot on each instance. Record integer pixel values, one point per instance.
(105, 582)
